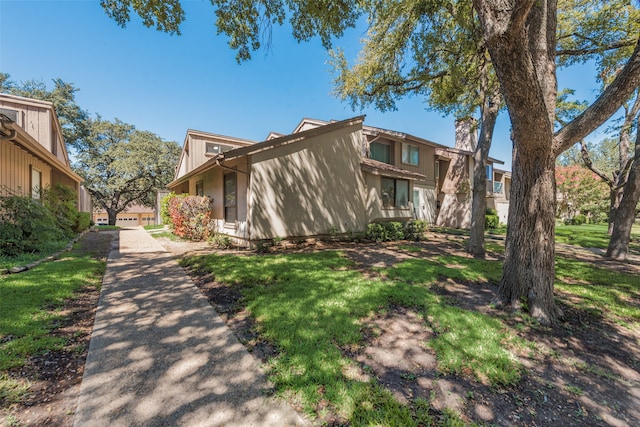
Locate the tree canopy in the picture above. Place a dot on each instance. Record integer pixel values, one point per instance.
(122, 165)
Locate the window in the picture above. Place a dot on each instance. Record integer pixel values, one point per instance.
(200, 188)
(410, 154)
(230, 190)
(380, 152)
(395, 193)
(489, 171)
(36, 183)
(213, 148)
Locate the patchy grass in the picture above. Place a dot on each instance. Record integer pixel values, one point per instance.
(466, 341)
(167, 235)
(154, 227)
(410, 248)
(593, 236)
(28, 303)
(311, 305)
(107, 227)
(613, 295)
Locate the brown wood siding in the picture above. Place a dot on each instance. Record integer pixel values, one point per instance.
(426, 160)
(14, 169)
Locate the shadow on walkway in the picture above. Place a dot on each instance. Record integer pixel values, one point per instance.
(160, 355)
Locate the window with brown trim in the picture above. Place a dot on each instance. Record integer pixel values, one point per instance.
(395, 192)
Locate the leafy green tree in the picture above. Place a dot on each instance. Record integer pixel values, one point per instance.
(73, 119)
(522, 38)
(122, 165)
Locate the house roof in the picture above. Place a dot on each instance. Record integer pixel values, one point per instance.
(52, 113)
(266, 145)
(29, 144)
(379, 168)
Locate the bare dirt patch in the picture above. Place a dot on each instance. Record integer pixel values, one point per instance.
(55, 376)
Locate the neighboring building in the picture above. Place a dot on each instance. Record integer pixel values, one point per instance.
(33, 155)
(131, 217)
(455, 179)
(324, 177)
(498, 193)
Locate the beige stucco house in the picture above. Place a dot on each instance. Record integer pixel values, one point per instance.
(33, 155)
(324, 177)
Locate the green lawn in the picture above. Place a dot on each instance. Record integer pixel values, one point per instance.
(28, 304)
(593, 236)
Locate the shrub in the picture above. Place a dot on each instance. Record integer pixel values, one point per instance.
(385, 232)
(60, 200)
(491, 221)
(190, 216)
(164, 208)
(376, 232)
(83, 221)
(414, 230)
(26, 225)
(221, 241)
(578, 219)
(491, 211)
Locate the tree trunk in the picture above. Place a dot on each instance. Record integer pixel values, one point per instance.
(479, 200)
(522, 48)
(113, 216)
(529, 267)
(625, 215)
(615, 196)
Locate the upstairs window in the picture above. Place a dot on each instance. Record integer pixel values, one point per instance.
(410, 154)
(380, 152)
(395, 193)
(213, 148)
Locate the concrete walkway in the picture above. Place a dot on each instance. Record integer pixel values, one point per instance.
(161, 356)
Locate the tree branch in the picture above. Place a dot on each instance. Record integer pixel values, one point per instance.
(595, 49)
(604, 107)
(586, 158)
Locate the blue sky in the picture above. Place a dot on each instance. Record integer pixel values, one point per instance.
(168, 84)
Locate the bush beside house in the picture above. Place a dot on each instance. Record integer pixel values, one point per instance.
(29, 225)
(190, 216)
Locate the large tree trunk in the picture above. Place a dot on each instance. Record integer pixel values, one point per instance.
(522, 47)
(529, 267)
(479, 200)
